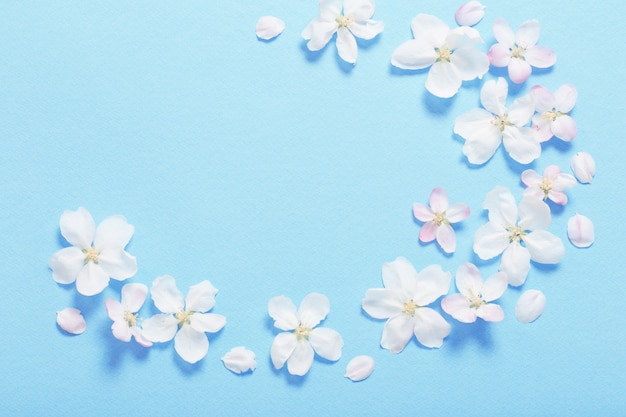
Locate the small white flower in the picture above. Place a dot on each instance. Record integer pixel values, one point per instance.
(484, 130)
(580, 231)
(450, 54)
(95, 255)
(530, 306)
(504, 234)
(239, 360)
(474, 298)
(584, 167)
(124, 314)
(403, 302)
(354, 20)
(359, 368)
(552, 117)
(469, 13)
(71, 320)
(268, 27)
(186, 320)
(549, 186)
(301, 340)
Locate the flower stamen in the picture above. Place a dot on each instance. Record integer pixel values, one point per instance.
(475, 300)
(443, 54)
(91, 255)
(302, 331)
(409, 308)
(440, 218)
(344, 21)
(552, 114)
(516, 234)
(518, 51)
(130, 318)
(546, 187)
(501, 122)
(183, 317)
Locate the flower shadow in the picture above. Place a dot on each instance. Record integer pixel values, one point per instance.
(478, 332)
(116, 351)
(187, 368)
(437, 105)
(293, 380)
(311, 56)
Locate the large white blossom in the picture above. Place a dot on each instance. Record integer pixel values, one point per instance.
(184, 320)
(450, 54)
(353, 20)
(504, 234)
(124, 313)
(484, 129)
(302, 339)
(551, 185)
(519, 51)
(96, 254)
(403, 302)
(552, 117)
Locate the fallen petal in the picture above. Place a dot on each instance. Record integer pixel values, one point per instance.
(268, 27)
(71, 320)
(359, 368)
(580, 231)
(584, 167)
(530, 306)
(239, 360)
(470, 13)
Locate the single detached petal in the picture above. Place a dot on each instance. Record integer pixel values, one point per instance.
(71, 320)
(166, 296)
(580, 231)
(458, 307)
(432, 283)
(313, 309)
(530, 306)
(160, 328)
(91, 280)
(207, 322)
(430, 328)
(284, 312)
(133, 296)
(268, 27)
(190, 344)
(469, 13)
(515, 263)
(346, 46)
(301, 359)
(584, 167)
(327, 343)
(413, 55)
(490, 312)
(544, 247)
(443, 80)
(113, 232)
(397, 332)
(239, 360)
(359, 368)
(446, 238)
(201, 297)
(78, 227)
(66, 264)
(382, 303)
(282, 348)
(117, 263)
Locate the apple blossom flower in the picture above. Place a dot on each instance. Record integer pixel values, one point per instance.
(71, 320)
(530, 306)
(301, 340)
(186, 320)
(584, 167)
(124, 313)
(438, 219)
(519, 51)
(359, 368)
(469, 13)
(484, 130)
(96, 255)
(354, 20)
(580, 231)
(450, 54)
(268, 27)
(549, 186)
(403, 302)
(552, 117)
(239, 360)
(504, 234)
(474, 297)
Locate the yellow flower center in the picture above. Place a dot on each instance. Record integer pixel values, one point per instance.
(440, 218)
(501, 122)
(302, 331)
(443, 54)
(518, 51)
(91, 255)
(184, 317)
(552, 114)
(546, 187)
(130, 318)
(516, 234)
(344, 21)
(410, 307)
(475, 300)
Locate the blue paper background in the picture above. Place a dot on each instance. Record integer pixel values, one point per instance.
(271, 170)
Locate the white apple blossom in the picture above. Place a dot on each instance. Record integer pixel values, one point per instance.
(450, 54)
(438, 219)
(301, 340)
(470, 13)
(353, 20)
(550, 185)
(475, 296)
(71, 320)
(504, 234)
(552, 117)
(403, 302)
(584, 167)
(96, 255)
(484, 130)
(519, 51)
(184, 320)
(124, 313)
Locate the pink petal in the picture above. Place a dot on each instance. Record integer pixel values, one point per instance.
(542, 128)
(469, 13)
(268, 27)
(519, 70)
(499, 55)
(346, 46)
(359, 368)
(439, 200)
(458, 307)
(558, 197)
(428, 232)
(490, 312)
(584, 167)
(565, 96)
(422, 212)
(544, 99)
(71, 320)
(540, 57)
(528, 33)
(495, 286)
(446, 238)
(457, 212)
(359, 9)
(564, 128)
(468, 279)
(580, 231)
(515, 263)
(530, 306)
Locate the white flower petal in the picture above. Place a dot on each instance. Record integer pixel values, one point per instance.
(543, 98)
(268, 27)
(139, 337)
(113, 232)
(564, 128)
(431, 29)
(468, 280)
(282, 348)
(133, 296)
(443, 80)
(519, 70)
(457, 212)
(470, 63)
(301, 358)
(207, 322)
(382, 303)
(160, 328)
(528, 33)
(201, 297)
(413, 55)
(422, 212)
(330, 9)
(530, 306)
(368, 29)
(71, 320)
(584, 167)
(467, 124)
(521, 110)
(446, 238)
(458, 307)
(490, 312)
(521, 144)
(66, 264)
(313, 309)
(503, 32)
(493, 96)
(482, 144)
(121, 331)
(540, 57)
(501, 205)
(346, 46)
(495, 286)
(399, 275)
(439, 200)
(534, 214)
(359, 368)
(432, 283)
(117, 263)
(327, 343)
(430, 328)
(491, 240)
(284, 313)
(114, 309)
(318, 33)
(239, 360)
(469, 13)
(544, 247)
(166, 296)
(580, 231)
(91, 280)
(565, 98)
(397, 332)
(359, 9)
(190, 344)
(515, 263)
(78, 227)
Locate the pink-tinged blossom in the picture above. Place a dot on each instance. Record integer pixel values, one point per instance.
(484, 129)
(518, 241)
(519, 51)
(550, 185)
(450, 54)
(530, 306)
(438, 219)
(302, 339)
(404, 304)
(580, 231)
(96, 255)
(584, 167)
(475, 296)
(469, 13)
(183, 319)
(552, 117)
(353, 20)
(71, 320)
(124, 313)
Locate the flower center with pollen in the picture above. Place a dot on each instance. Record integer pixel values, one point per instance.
(546, 187)
(518, 51)
(410, 307)
(440, 218)
(91, 255)
(475, 300)
(551, 114)
(344, 21)
(302, 331)
(516, 234)
(443, 54)
(501, 122)
(130, 318)
(184, 317)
